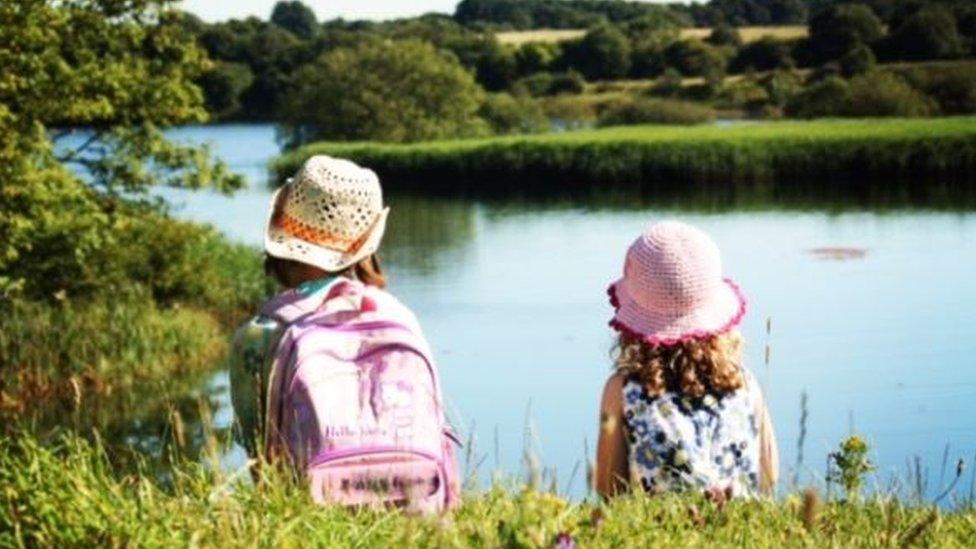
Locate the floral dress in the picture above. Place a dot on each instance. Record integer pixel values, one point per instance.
(679, 443)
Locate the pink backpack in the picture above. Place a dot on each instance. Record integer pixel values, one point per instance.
(355, 403)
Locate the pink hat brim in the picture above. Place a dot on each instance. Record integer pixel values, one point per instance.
(723, 312)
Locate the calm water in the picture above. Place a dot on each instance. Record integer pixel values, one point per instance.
(512, 298)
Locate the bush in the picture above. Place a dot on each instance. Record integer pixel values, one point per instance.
(828, 97)
(545, 83)
(952, 86)
(654, 111)
(696, 58)
(781, 87)
(884, 94)
(765, 54)
(725, 35)
(669, 84)
(508, 114)
(874, 94)
(859, 60)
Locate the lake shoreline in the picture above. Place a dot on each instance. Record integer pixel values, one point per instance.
(924, 158)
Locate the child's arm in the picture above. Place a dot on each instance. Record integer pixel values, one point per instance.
(768, 450)
(612, 470)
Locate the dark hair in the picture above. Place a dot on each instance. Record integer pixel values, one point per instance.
(367, 270)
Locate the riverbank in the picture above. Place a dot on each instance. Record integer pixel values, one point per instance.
(921, 157)
(204, 507)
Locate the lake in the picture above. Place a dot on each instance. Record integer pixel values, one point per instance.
(872, 314)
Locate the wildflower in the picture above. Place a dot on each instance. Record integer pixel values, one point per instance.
(564, 541)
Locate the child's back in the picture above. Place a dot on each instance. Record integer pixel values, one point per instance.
(681, 411)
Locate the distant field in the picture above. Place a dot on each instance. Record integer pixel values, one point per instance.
(914, 156)
(749, 34)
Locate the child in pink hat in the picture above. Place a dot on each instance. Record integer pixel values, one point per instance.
(680, 410)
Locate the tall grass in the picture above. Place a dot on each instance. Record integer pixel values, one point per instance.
(66, 350)
(68, 495)
(917, 158)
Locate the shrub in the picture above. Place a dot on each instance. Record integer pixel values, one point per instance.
(696, 58)
(781, 87)
(870, 95)
(828, 97)
(546, 83)
(952, 86)
(859, 60)
(669, 84)
(765, 54)
(654, 111)
(725, 35)
(884, 94)
(508, 114)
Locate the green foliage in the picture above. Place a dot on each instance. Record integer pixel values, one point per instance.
(223, 86)
(859, 60)
(725, 35)
(643, 110)
(849, 466)
(669, 84)
(109, 345)
(837, 30)
(758, 12)
(930, 33)
(696, 58)
(827, 97)
(874, 94)
(389, 91)
(124, 70)
(535, 57)
(295, 17)
(68, 495)
(765, 54)
(556, 14)
(546, 83)
(952, 85)
(660, 161)
(604, 53)
(513, 114)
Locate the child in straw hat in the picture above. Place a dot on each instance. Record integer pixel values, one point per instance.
(681, 411)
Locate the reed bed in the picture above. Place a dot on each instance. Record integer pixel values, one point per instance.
(68, 495)
(915, 157)
(63, 351)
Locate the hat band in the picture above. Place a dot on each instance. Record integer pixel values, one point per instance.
(302, 231)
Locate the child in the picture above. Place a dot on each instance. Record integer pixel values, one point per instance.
(681, 411)
(334, 373)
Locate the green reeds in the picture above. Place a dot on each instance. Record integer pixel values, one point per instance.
(65, 350)
(921, 159)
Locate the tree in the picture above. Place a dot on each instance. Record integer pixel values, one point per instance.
(603, 53)
(121, 69)
(696, 58)
(386, 91)
(295, 17)
(222, 88)
(836, 31)
(931, 33)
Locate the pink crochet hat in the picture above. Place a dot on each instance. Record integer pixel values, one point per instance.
(672, 290)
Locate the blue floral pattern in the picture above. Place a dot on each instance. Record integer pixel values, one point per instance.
(678, 442)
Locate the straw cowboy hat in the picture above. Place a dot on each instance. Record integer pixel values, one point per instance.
(672, 290)
(330, 215)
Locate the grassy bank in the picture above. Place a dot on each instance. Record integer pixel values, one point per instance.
(68, 496)
(920, 157)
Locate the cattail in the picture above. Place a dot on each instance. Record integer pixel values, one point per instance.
(811, 502)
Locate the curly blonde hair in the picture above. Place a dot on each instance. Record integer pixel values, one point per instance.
(693, 368)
